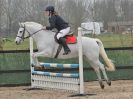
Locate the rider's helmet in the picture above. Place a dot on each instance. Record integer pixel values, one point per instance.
(50, 8)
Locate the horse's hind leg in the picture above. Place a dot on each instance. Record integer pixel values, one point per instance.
(97, 70)
(101, 66)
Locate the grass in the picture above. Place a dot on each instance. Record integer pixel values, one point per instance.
(11, 45)
(116, 40)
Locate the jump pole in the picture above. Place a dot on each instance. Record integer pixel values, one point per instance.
(80, 61)
(31, 60)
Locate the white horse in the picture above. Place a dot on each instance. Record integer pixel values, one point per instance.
(47, 47)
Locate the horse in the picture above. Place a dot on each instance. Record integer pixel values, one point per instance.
(47, 47)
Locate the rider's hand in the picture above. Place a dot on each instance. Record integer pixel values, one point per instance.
(44, 28)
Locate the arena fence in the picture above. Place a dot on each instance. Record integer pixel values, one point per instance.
(15, 66)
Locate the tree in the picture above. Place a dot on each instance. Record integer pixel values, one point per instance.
(76, 12)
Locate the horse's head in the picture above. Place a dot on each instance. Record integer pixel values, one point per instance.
(26, 30)
(21, 33)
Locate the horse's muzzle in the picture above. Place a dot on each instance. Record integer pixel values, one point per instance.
(17, 43)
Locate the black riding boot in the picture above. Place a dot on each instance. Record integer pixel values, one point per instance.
(64, 44)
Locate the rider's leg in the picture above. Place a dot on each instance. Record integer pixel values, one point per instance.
(62, 40)
(64, 44)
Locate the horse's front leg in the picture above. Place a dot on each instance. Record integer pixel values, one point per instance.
(35, 55)
(35, 60)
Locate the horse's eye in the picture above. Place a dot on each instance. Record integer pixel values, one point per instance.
(20, 31)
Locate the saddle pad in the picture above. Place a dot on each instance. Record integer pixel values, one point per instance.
(71, 39)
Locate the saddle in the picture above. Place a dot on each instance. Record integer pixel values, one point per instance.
(70, 39)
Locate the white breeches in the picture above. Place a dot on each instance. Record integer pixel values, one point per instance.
(63, 32)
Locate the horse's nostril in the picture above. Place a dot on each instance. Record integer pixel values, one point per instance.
(16, 42)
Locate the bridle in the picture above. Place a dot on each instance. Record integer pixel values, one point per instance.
(25, 30)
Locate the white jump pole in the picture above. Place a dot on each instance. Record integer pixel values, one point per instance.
(80, 61)
(31, 53)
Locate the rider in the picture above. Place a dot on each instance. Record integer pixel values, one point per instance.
(57, 22)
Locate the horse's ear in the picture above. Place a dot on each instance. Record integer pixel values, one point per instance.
(20, 24)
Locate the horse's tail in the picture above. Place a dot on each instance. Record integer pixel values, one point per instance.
(109, 63)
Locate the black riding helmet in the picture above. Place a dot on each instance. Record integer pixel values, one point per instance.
(50, 8)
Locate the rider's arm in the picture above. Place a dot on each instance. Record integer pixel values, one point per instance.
(52, 23)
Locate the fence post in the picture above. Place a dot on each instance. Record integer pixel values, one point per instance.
(31, 60)
(80, 60)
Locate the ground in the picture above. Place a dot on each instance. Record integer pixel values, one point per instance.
(122, 89)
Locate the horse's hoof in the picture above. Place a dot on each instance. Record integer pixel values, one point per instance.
(109, 83)
(102, 86)
(32, 65)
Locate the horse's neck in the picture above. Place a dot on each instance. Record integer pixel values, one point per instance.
(43, 36)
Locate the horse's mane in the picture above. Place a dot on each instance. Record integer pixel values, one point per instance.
(33, 24)
(38, 25)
